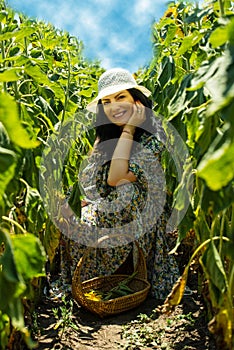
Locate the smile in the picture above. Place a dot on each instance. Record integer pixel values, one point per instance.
(118, 115)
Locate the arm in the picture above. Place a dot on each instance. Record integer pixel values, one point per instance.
(119, 169)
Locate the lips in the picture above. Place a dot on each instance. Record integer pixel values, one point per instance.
(118, 115)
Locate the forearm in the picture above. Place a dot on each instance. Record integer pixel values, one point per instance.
(119, 167)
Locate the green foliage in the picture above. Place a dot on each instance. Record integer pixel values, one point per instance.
(22, 258)
(7, 168)
(191, 76)
(64, 316)
(44, 82)
(217, 167)
(4, 329)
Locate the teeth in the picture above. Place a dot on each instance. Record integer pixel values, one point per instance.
(118, 115)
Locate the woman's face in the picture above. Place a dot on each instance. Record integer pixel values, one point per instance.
(118, 107)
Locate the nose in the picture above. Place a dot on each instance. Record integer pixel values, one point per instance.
(114, 106)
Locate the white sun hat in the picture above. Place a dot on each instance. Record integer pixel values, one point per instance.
(112, 81)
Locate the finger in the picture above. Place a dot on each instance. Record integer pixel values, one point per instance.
(140, 107)
(140, 110)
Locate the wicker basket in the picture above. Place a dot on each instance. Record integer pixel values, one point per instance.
(138, 284)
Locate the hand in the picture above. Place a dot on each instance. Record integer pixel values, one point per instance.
(84, 203)
(66, 211)
(139, 116)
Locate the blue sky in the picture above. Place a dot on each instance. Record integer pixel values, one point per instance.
(118, 33)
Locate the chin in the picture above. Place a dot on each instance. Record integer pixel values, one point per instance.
(118, 123)
(121, 122)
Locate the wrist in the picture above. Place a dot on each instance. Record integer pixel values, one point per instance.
(129, 129)
(127, 133)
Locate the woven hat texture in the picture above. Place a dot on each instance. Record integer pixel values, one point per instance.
(113, 81)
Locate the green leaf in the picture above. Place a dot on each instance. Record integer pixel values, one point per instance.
(11, 74)
(218, 78)
(231, 31)
(34, 208)
(185, 225)
(217, 167)
(12, 285)
(222, 35)
(7, 168)
(51, 240)
(181, 98)
(75, 199)
(219, 37)
(10, 301)
(16, 312)
(168, 71)
(206, 131)
(217, 200)
(12, 124)
(201, 226)
(29, 255)
(40, 77)
(189, 41)
(86, 93)
(170, 34)
(19, 34)
(7, 259)
(213, 266)
(23, 258)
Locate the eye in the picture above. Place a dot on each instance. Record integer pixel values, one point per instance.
(105, 102)
(121, 97)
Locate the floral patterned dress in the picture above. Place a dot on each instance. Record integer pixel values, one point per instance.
(116, 217)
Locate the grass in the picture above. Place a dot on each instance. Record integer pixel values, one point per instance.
(64, 316)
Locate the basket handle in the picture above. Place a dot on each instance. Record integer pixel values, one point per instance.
(140, 266)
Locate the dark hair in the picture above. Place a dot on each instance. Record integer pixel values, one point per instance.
(105, 130)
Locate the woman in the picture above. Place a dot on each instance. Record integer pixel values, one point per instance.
(124, 186)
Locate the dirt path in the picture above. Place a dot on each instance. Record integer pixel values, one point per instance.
(185, 328)
(140, 328)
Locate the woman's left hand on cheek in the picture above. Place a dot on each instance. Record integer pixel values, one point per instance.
(138, 116)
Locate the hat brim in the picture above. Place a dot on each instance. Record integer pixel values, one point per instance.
(92, 106)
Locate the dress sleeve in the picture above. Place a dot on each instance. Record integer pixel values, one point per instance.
(146, 165)
(87, 176)
(144, 160)
(93, 178)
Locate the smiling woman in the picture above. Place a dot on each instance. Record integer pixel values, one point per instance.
(125, 190)
(118, 113)
(121, 110)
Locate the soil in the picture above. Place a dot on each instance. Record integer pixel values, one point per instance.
(184, 328)
(145, 327)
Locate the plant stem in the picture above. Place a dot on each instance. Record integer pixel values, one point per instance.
(222, 231)
(3, 58)
(221, 6)
(232, 221)
(14, 223)
(231, 285)
(67, 87)
(201, 246)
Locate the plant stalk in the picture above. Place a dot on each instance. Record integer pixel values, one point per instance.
(222, 8)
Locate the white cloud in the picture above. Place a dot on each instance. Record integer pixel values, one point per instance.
(141, 7)
(89, 24)
(103, 4)
(107, 62)
(119, 45)
(115, 32)
(144, 12)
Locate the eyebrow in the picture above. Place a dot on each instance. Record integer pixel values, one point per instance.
(107, 99)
